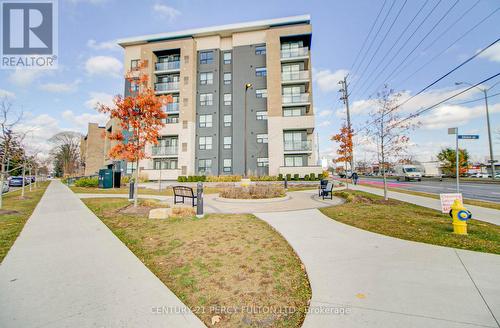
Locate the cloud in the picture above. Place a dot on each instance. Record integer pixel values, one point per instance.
(327, 80)
(324, 124)
(99, 98)
(104, 45)
(324, 113)
(38, 130)
(492, 53)
(6, 94)
(81, 121)
(165, 11)
(104, 66)
(447, 116)
(60, 87)
(25, 77)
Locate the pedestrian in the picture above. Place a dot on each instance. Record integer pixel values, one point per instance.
(355, 178)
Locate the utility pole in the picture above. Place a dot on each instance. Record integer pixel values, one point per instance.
(345, 99)
(492, 160)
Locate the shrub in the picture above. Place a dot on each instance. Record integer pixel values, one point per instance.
(263, 178)
(296, 177)
(312, 177)
(143, 177)
(288, 176)
(253, 192)
(181, 178)
(306, 177)
(87, 182)
(325, 175)
(190, 178)
(183, 212)
(223, 178)
(280, 177)
(125, 179)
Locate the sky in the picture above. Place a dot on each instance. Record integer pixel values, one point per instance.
(91, 64)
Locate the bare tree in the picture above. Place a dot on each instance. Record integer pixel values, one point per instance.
(66, 151)
(389, 133)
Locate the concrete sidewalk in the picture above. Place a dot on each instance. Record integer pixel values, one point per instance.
(388, 282)
(478, 213)
(67, 269)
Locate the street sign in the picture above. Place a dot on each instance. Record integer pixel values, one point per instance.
(468, 136)
(447, 200)
(453, 131)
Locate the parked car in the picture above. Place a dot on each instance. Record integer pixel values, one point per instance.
(5, 187)
(16, 182)
(481, 175)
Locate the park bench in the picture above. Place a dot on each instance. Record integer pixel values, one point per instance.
(183, 192)
(322, 186)
(328, 191)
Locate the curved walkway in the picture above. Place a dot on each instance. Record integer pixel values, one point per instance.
(388, 282)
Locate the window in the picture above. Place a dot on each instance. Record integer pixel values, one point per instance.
(228, 99)
(205, 121)
(260, 50)
(134, 63)
(164, 164)
(204, 165)
(227, 58)
(206, 99)
(206, 78)
(227, 165)
(205, 143)
(298, 111)
(262, 138)
(260, 71)
(294, 160)
(261, 114)
(206, 57)
(261, 93)
(262, 161)
(228, 119)
(134, 86)
(227, 78)
(295, 140)
(228, 142)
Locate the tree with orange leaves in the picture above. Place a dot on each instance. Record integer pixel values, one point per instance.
(344, 139)
(140, 116)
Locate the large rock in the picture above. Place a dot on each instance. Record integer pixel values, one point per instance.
(160, 213)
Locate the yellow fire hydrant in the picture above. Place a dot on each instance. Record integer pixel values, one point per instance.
(460, 216)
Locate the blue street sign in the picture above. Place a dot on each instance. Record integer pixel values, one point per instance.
(468, 136)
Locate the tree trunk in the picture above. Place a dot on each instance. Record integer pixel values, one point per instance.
(24, 179)
(136, 180)
(2, 179)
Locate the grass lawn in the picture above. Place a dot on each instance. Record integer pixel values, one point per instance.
(142, 191)
(411, 222)
(231, 261)
(12, 224)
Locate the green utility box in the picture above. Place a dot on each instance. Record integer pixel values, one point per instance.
(105, 178)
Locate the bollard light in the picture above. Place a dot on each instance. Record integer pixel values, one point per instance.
(199, 199)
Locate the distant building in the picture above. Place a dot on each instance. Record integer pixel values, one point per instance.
(92, 149)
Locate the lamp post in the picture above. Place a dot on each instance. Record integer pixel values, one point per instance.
(485, 92)
(247, 86)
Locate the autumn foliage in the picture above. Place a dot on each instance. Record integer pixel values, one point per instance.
(344, 139)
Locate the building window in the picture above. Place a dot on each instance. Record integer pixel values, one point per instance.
(262, 161)
(228, 141)
(228, 120)
(261, 114)
(262, 138)
(134, 63)
(260, 50)
(134, 86)
(164, 164)
(298, 111)
(227, 165)
(294, 160)
(227, 58)
(205, 143)
(261, 93)
(204, 166)
(206, 78)
(228, 99)
(206, 57)
(227, 78)
(206, 99)
(261, 71)
(205, 121)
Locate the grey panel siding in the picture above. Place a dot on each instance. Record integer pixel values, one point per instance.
(225, 131)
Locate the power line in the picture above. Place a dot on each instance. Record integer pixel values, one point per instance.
(474, 100)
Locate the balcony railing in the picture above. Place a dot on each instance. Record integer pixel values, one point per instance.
(303, 145)
(295, 98)
(294, 53)
(163, 151)
(294, 76)
(167, 86)
(171, 107)
(168, 65)
(172, 120)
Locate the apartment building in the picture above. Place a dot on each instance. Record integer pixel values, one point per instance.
(242, 98)
(92, 149)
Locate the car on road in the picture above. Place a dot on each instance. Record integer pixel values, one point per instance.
(5, 187)
(407, 173)
(481, 175)
(16, 182)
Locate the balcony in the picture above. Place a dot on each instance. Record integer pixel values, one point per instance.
(299, 99)
(172, 120)
(167, 87)
(298, 146)
(294, 77)
(167, 66)
(294, 54)
(164, 150)
(171, 108)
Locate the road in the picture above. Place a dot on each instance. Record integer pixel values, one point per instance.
(471, 190)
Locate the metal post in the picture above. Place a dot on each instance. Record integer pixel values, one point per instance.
(492, 159)
(245, 129)
(30, 178)
(131, 190)
(199, 199)
(286, 181)
(24, 178)
(457, 159)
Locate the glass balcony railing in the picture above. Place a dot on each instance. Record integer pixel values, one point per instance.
(171, 107)
(302, 145)
(294, 53)
(167, 86)
(164, 150)
(294, 76)
(168, 65)
(295, 98)
(172, 120)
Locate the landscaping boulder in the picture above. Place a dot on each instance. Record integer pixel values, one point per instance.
(160, 213)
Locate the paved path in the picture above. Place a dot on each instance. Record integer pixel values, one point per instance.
(479, 213)
(387, 282)
(67, 269)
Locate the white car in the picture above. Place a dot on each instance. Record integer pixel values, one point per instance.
(481, 175)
